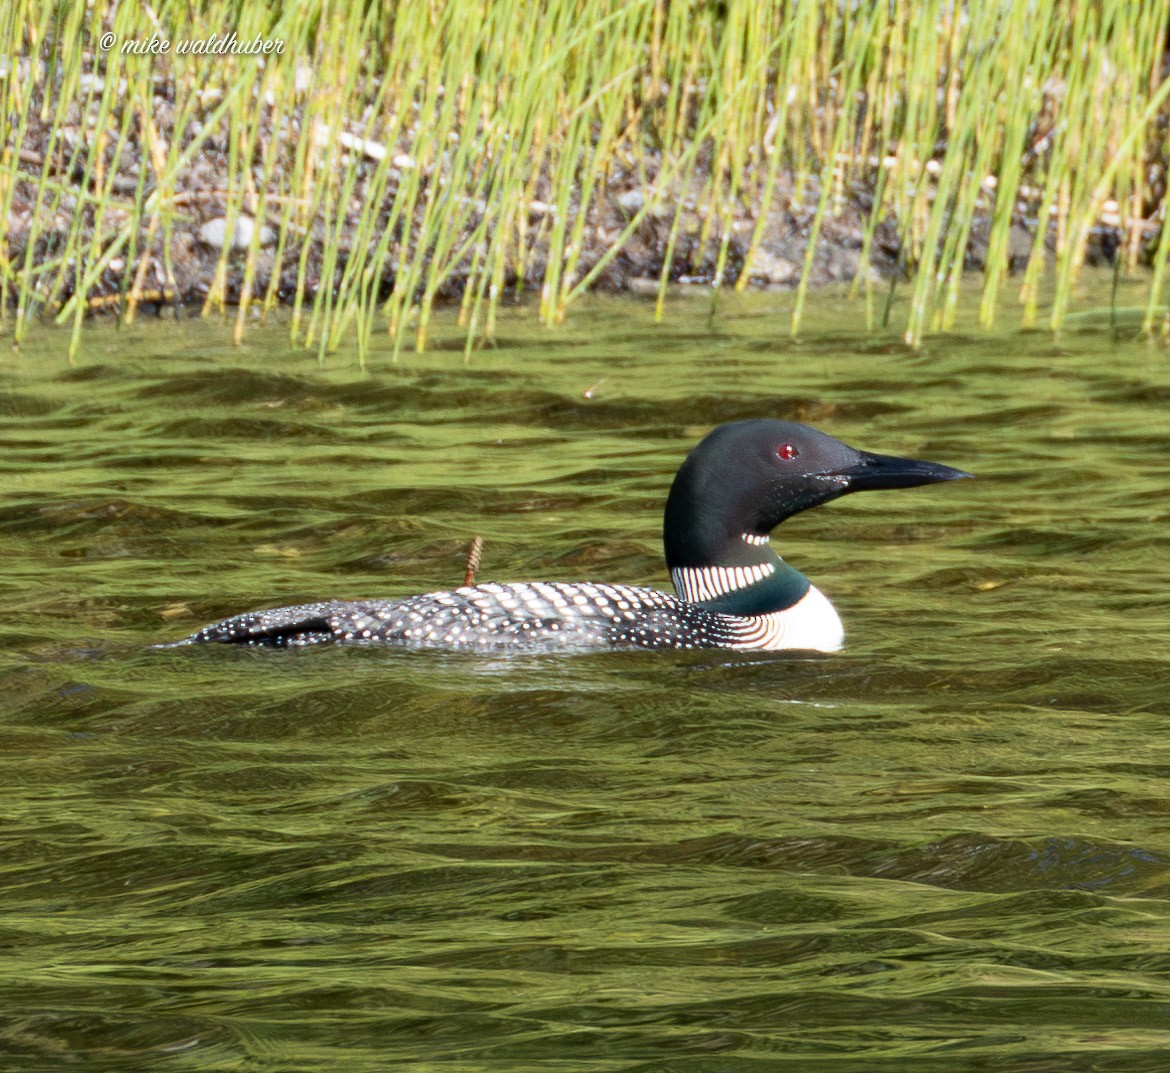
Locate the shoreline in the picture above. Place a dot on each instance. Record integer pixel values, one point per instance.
(361, 183)
(182, 266)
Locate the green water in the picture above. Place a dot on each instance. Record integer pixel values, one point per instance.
(947, 848)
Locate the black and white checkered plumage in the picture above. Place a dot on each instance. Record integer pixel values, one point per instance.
(539, 615)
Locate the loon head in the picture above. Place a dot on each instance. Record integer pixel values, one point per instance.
(745, 478)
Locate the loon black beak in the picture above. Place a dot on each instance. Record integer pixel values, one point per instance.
(888, 471)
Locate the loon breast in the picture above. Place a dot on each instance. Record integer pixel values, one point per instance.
(534, 616)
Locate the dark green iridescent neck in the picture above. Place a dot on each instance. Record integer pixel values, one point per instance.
(777, 592)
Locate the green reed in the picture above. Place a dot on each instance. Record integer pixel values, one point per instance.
(400, 155)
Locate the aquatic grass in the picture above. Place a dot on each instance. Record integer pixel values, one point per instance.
(390, 158)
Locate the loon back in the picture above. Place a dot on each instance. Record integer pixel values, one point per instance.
(533, 616)
(733, 590)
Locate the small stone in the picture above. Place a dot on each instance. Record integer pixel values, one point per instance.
(1019, 244)
(843, 263)
(642, 285)
(631, 201)
(365, 146)
(771, 268)
(213, 233)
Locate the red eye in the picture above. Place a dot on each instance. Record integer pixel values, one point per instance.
(786, 451)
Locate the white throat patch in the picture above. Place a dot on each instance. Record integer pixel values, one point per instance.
(811, 624)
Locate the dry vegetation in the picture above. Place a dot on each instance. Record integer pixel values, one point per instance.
(394, 156)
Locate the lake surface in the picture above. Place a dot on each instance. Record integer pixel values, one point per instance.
(947, 848)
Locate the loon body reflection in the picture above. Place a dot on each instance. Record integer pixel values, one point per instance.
(732, 590)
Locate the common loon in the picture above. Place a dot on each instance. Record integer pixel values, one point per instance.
(733, 590)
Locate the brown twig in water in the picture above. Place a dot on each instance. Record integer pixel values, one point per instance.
(473, 556)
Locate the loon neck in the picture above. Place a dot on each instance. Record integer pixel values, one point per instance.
(746, 578)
